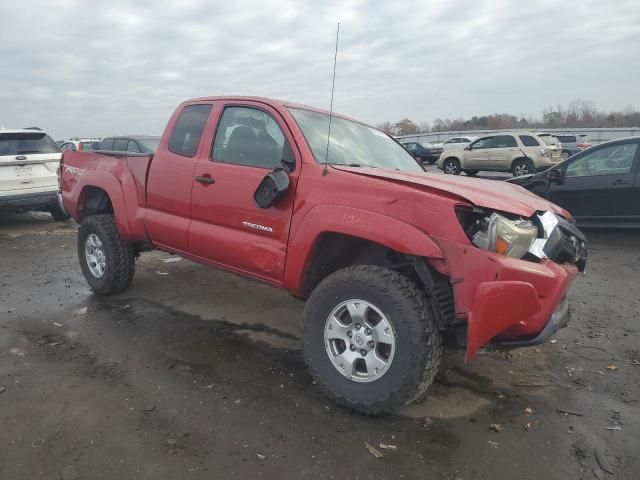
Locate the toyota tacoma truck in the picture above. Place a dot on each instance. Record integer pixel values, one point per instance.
(393, 262)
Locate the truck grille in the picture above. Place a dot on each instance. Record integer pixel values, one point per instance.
(567, 244)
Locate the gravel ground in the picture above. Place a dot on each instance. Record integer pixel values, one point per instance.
(197, 373)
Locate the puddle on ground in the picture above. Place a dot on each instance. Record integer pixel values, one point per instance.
(446, 402)
(275, 341)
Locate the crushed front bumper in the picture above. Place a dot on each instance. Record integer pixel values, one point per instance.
(511, 302)
(559, 319)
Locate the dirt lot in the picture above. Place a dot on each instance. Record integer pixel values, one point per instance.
(196, 373)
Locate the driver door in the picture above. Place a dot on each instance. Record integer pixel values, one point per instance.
(479, 153)
(227, 227)
(600, 186)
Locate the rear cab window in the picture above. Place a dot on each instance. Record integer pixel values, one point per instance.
(26, 143)
(188, 129)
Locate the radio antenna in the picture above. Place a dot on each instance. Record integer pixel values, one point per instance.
(333, 85)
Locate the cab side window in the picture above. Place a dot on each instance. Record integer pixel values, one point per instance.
(188, 129)
(248, 136)
(612, 160)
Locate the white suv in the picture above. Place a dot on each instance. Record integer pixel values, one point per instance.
(520, 153)
(29, 160)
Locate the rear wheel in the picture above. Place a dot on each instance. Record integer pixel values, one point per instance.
(107, 261)
(471, 173)
(522, 167)
(58, 214)
(370, 339)
(451, 166)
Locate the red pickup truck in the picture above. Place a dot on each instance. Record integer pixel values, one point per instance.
(392, 261)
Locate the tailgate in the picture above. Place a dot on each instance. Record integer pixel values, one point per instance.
(555, 153)
(28, 172)
(28, 162)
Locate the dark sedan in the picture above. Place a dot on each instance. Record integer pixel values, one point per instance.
(424, 152)
(137, 144)
(599, 186)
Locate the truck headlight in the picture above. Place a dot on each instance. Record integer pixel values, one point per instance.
(497, 233)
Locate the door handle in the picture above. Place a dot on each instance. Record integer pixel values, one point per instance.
(205, 179)
(620, 183)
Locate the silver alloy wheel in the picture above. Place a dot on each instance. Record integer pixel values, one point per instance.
(521, 169)
(359, 340)
(94, 255)
(451, 168)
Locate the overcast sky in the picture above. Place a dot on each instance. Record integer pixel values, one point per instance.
(102, 68)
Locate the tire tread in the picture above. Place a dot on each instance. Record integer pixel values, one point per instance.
(424, 338)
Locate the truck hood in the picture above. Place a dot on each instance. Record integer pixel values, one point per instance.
(492, 194)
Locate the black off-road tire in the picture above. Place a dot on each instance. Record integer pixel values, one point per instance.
(453, 165)
(119, 255)
(418, 343)
(57, 213)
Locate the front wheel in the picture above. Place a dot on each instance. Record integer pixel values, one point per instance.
(451, 166)
(107, 261)
(370, 339)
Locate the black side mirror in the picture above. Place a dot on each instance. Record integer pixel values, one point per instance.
(271, 188)
(555, 175)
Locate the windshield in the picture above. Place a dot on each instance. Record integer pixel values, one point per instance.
(352, 143)
(149, 145)
(26, 143)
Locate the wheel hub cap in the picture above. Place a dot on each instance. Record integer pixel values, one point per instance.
(94, 255)
(359, 340)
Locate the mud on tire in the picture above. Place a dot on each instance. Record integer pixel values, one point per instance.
(119, 255)
(418, 345)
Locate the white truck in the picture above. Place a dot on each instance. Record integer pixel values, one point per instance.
(29, 160)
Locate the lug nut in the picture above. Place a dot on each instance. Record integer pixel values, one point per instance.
(349, 334)
(367, 331)
(352, 347)
(371, 344)
(363, 352)
(357, 326)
